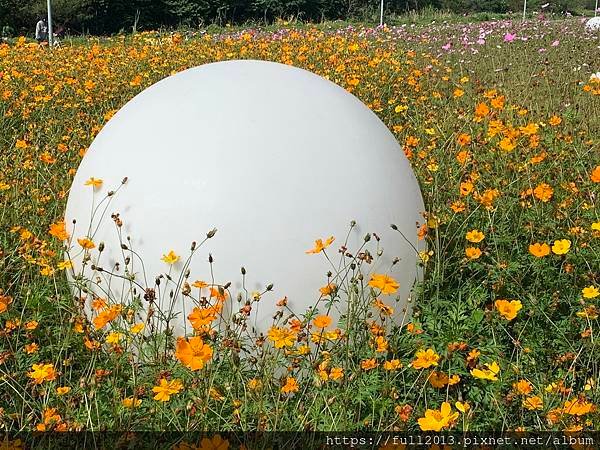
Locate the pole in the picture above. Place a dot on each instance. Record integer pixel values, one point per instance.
(50, 35)
(596, 9)
(524, 9)
(381, 14)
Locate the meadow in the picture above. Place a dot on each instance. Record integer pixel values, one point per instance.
(501, 122)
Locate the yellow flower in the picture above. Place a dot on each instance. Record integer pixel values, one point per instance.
(170, 258)
(113, 338)
(384, 282)
(131, 402)
(435, 420)
(254, 384)
(463, 407)
(320, 246)
(95, 182)
(475, 236)
(508, 309)
(425, 359)
(166, 388)
(135, 329)
(489, 373)
(590, 292)
(561, 246)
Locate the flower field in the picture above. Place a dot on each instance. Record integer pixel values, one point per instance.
(501, 123)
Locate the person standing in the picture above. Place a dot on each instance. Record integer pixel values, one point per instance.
(41, 31)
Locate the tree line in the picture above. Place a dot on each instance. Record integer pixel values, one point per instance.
(112, 16)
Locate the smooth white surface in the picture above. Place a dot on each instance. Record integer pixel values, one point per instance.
(272, 156)
(593, 24)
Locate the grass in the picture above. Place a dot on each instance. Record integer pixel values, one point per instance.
(521, 170)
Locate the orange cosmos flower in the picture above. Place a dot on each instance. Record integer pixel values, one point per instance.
(578, 407)
(95, 182)
(384, 282)
(322, 321)
(472, 252)
(281, 337)
(533, 403)
(393, 364)
(466, 187)
(555, 120)
(193, 352)
(595, 176)
(539, 250)
(201, 317)
(58, 231)
(508, 309)
(475, 236)
(425, 359)
(62, 390)
(291, 385)
(481, 110)
(523, 387)
(543, 192)
(106, 316)
(320, 246)
(5, 300)
(42, 372)
(86, 243)
(327, 289)
(368, 364)
(463, 139)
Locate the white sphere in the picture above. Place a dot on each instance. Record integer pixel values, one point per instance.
(593, 24)
(270, 155)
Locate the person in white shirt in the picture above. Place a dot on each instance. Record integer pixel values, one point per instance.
(41, 31)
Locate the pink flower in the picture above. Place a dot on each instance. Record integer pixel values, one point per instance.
(508, 37)
(447, 46)
(555, 43)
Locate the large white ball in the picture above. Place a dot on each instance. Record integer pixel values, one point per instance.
(270, 155)
(593, 24)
